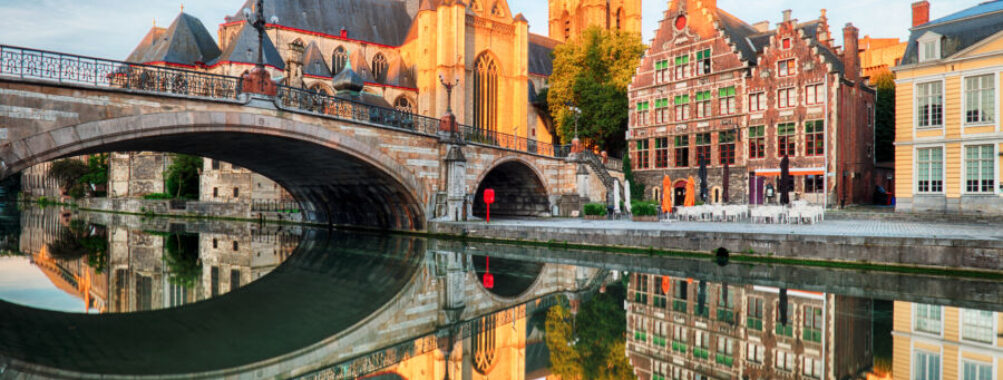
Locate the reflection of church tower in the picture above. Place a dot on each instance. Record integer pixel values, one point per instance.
(568, 18)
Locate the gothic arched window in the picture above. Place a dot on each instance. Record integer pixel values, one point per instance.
(338, 60)
(485, 93)
(403, 104)
(380, 68)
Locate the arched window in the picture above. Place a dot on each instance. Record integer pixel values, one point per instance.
(380, 68)
(403, 104)
(486, 93)
(567, 27)
(619, 17)
(338, 60)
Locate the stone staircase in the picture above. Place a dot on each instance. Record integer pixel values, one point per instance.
(601, 170)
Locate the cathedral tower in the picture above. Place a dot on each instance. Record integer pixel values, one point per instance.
(568, 18)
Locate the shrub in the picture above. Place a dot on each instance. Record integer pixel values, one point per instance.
(641, 208)
(157, 196)
(595, 210)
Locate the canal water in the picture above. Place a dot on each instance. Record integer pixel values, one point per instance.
(93, 294)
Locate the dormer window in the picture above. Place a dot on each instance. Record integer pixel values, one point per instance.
(929, 47)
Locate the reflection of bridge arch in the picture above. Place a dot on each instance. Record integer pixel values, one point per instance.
(512, 278)
(520, 188)
(339, 178)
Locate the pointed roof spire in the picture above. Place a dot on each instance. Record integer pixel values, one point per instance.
(313, 62)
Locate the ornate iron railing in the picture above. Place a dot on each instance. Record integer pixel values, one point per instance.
(22, 63)
(507, 141)
(323, 104)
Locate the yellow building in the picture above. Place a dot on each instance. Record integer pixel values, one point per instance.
(568, 18)
(879, 55)
(933, 342)
(947, 127)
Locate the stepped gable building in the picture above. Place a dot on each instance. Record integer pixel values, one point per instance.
(715, 88)
(947, 128)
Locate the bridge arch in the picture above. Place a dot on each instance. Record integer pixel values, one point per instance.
(520, 189)
(338, 179)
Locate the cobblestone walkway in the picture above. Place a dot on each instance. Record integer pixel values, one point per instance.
(862, 228)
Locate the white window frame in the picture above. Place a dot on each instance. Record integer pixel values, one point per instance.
(922, 48)
(792, 71)
(961, 368)
(964, 169)
(943, 174)
(759, 103)
(792, 100)
(995, 102)
(913, 362)
(915, 313)
(994, 332)
(819, 93)
(915, 106)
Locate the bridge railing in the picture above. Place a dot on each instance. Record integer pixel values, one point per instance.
(507, 141)
(323, 104)
(84, 71)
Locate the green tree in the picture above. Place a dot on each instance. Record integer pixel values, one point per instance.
(181, 254)
(67, 173)
(591, 344)
(97, 171)
(636, 187)
(182, 177)
(884, 120)
(79, 240)
(592, 72)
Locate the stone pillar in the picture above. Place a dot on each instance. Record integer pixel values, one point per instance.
(450, 273)
(582, 177)
(456, 181)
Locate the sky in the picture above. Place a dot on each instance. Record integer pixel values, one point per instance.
(23, 283)
(112, 28)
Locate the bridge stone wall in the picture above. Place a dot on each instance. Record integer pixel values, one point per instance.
(42, 122)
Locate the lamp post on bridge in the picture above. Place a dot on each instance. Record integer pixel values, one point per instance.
(576, 144)
(448, 122)
(258, 81)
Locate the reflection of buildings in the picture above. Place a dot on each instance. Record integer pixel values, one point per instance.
(225, 182)
(738, 332)
(230, 260)
(939, 342)
(40, 227)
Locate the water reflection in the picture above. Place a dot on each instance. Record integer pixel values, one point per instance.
(275, 301)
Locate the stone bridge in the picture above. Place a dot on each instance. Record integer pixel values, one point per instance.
(346, 162)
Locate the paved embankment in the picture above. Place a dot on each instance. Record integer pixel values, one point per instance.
(955, 246)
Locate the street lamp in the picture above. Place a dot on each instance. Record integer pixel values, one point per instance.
(257, 21)
(449, 92)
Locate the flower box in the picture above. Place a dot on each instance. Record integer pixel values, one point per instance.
(650, 218)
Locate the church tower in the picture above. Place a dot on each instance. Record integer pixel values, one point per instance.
(568, 18)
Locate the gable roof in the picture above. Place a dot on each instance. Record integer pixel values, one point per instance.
(980, 22)
(244, 49)
(384, 22)
(185, 42)
(541, 58)
(142, 51)
(314, 63)
(739, 33)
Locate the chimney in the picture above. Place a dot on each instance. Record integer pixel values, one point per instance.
(761, 26)
(787, 15)
(920, 13)
(344, 32)
(851, 52)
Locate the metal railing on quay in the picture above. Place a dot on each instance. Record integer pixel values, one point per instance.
(23, 63)
(324, 104)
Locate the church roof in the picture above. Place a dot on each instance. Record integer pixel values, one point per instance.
(313, 62)
(145, 47)
(541, 58)
(185, 42)
(384, 22)
(980, 22)
(244, 49)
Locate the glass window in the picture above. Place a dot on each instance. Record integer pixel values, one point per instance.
(926, 366)
(703, 148)
(338, 60)
(814, 138)
(929, 49)
(980, 99)
(642, 112)
(929, 104)
(787, 97)
(784, 361)
(786, 68)
(814, 94)
(754, 311)
(682, 64)
(682, 107)
(682, 151)
(927, 318)
(757, 141)
(662, 71)
(977, 325)
(726, 100)
(786, 144)
(754, 352)
(757, 102)
(486, 94)
(662, 152)
(786, 44)
(977, 371)
(980, 168)
(641, 158)
(726, 147)
(811, 367)
(703, 62)
(812, 324)
(930, 170)
(814, 184)
(703, 104)
(662, 110)
(380, 66)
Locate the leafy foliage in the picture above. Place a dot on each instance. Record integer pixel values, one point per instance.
(181, 253)
(76, 177)
(595, 209)
(79, 240)
(592, 72)
(590, 345)
(642, 208)
(157, 196)
(884, 120)
(182, 177)
(636, 187)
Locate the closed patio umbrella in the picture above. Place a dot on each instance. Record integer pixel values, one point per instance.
(690, 193)
(724, 184)
(616, 196)
(666, 194)
(785, 180)
(626, 195)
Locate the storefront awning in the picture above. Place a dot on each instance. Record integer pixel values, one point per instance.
(793, 171)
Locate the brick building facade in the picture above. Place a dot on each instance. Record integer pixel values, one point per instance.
(715, 88)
